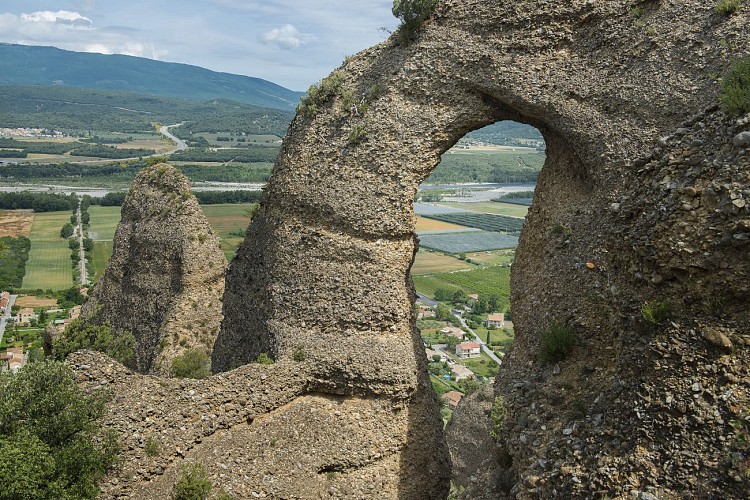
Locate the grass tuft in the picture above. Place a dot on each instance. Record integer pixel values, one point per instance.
(556, 343)
(735, 88)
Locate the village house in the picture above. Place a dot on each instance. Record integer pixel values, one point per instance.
(473, 298)
(25, 316)
(497, 320)
(12, 359)
(460, 372)
(468, 350)
(4, 299)
(452, 398)
(74, 312)
(425, 313)
(452, 331)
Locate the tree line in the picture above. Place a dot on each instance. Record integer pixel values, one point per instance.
(14, 252)
(39, 202)
(126, 171)
(250, 154)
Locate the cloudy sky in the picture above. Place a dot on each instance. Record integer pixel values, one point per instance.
(290, 42)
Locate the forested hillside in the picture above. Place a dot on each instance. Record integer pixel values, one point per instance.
(83, 110)
(33, 65)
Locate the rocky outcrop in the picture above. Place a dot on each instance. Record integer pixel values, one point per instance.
(165, 279)
(469, 435)
(325, 264)
(641, 200)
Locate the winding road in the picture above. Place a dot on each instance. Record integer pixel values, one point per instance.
(179, 143)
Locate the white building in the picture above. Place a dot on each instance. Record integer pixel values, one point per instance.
(468, 350)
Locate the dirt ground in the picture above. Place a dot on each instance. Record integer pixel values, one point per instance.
(31, 301)
(424, 224)
(16, 222)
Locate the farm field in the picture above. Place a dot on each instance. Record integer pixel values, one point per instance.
(518, 201)
(492, 258)
(489, 207)
(49, 265)
(430, 208)
(31, 301)
(15, 223)
(103, 223)
(427, 262)
(486, 222)
(100, 256)
(486, 281)
(425, 224)
(475, 241)
(224, 219)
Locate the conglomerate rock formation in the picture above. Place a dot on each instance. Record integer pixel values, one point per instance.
(165, 279)
(642, 199)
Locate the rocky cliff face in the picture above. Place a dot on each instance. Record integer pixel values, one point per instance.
(165, 279)
(641, 200)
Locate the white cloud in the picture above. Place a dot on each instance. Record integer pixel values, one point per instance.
(286, 37)
(72, 20)
(97, 48)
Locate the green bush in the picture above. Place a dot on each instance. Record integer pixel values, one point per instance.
(51, 445)
(728, 7)
(264, 359)
(193, 483)
(320, 93)
(497, 416)
(735, 88)
(195, 363)
(556, 343)
(412, 14)
(79, 335)
(152, 447)
(655, 312)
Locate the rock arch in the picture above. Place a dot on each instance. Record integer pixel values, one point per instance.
(321, 281)
(324, 268)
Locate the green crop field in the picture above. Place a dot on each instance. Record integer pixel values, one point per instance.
(49, 265)
(489, 207)
(492, 257)
(100, 256)
(226, 219)
(103, 223)
(486, 281)
(427, 262)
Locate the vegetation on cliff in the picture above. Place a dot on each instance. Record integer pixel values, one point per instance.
(412, 14)
(735, 89)
(79, 335)
(51, 445)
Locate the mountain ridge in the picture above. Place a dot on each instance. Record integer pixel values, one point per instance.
(51, 66)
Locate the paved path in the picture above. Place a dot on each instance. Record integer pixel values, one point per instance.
(4, 319)
(81, 251)
(426, 300)
(487, 350)
(179, 143)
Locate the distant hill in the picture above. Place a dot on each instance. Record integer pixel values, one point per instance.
(74, 110)
(508, 133)
(32, 65)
